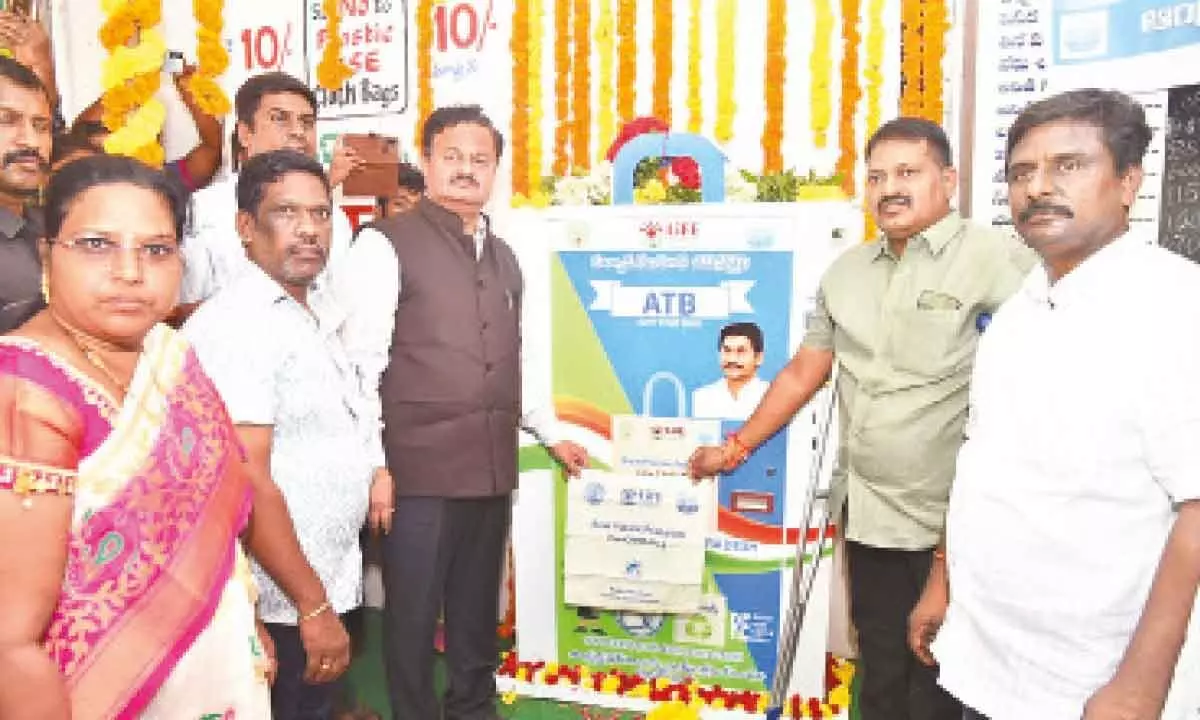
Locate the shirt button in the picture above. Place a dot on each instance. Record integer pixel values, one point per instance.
(484, 326)
(487, 367)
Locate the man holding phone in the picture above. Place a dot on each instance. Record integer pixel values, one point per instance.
(273, 111)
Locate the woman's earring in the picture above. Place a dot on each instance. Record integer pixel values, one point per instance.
(46, 285)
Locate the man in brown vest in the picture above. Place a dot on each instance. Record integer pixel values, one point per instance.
(435, 306)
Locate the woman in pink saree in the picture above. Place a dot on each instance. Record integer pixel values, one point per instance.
(124, 588)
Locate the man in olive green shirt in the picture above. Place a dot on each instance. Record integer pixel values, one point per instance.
(901, 316)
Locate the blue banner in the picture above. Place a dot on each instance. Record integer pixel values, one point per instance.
(1089, 31)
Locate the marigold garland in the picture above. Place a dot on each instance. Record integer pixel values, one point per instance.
(688, 694)
(534, 73)
(332, 71)
(922, 48)
(910, 59)
(726, 59)
(626, 58)
(933, 32)
(694, 102)
(131, 138)
(581, 113)
(606, 119)
(873, 75)
(562, 85)
(424, 67)
(820, 69)
(519, 135)
(847, 141)
(130, 76)
(212, 59)
(774, 76)
(664, 14)
(123, 18)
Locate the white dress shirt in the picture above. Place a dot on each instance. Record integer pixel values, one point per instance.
(367, 287)
(1082, 437)
(213, 252)
(276, 364)
(715, 400)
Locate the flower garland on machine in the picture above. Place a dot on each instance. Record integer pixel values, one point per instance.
(682, 699)
(130, 76)
(674, 180)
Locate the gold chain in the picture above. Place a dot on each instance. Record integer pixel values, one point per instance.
(89, 346)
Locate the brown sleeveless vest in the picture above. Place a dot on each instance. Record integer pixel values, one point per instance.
(452, 391)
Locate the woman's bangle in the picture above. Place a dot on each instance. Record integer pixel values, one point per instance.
(323, 607)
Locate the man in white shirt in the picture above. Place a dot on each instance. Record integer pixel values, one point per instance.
(734, 396)
(433, 327)
(298, 407)
(274, 111)
(1073, 533)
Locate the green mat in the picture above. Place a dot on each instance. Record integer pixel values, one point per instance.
(368, 682)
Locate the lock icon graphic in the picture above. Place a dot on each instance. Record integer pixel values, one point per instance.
(662, 376)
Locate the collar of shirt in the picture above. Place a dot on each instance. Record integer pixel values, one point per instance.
(323, 309)
(453, 224)
(936, 236)
(11, 223)
(1099, 272)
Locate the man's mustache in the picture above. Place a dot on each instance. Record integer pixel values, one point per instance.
(307, 248)
(16, 156)
(902, 199)
(469, 179)
(1041, 207)
(733, 366)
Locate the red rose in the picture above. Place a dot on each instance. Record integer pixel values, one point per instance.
(687, 171)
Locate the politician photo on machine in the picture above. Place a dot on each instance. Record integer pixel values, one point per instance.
(740, 354)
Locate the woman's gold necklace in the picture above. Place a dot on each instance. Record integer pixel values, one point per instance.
(90, 347)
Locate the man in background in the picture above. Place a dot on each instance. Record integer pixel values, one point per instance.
(25, 127)
(411, 186)
(195, 170)
(274, 111)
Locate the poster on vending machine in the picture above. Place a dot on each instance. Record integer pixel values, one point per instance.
(680, 318)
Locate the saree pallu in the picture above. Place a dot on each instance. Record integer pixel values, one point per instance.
(156, 616)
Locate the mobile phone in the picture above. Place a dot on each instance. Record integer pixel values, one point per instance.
(173, 62)
(378, 175)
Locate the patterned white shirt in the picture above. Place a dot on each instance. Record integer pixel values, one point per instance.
(276, 364)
